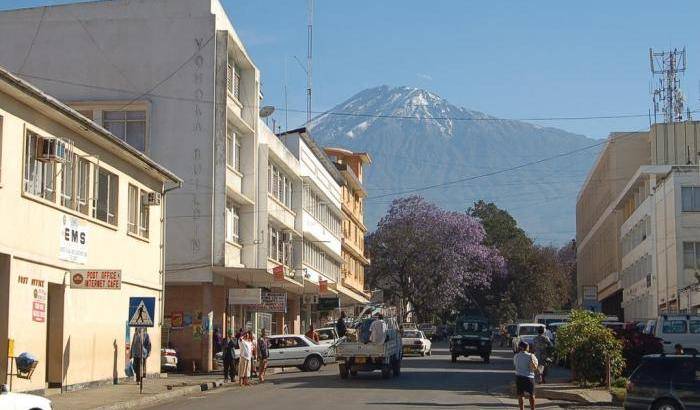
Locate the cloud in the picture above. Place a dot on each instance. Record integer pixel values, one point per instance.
(424, 76)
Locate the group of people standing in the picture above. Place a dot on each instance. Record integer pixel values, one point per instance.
(252, 355)
(530, 361)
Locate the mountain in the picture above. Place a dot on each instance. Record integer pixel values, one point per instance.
(418, 139)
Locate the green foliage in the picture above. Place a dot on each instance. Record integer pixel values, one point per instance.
(620, 382)
(588, 344)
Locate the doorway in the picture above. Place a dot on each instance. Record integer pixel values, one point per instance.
(54, 336)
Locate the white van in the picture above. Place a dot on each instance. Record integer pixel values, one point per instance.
(679, 329)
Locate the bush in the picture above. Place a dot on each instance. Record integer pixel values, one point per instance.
(635, 345)
(587, 344)
(620, 383)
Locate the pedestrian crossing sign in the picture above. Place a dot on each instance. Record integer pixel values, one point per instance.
(141, 311)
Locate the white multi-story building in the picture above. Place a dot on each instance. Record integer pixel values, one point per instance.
(321, 218)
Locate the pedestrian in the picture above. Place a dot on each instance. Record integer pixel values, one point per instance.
(378, 329)
(140, 352)
(244, 361)
(312, 334)
(263, 355)
(229, 353)
(679, 349)
(525, 365)
(216, 342)
(541, 345)
(340, 326)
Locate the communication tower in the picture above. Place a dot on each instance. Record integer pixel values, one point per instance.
(668, 99)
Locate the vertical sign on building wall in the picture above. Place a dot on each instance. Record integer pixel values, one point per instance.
(39, 306)
(73, 240)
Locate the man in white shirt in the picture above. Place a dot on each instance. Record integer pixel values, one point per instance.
(377, 330)
(525, 364)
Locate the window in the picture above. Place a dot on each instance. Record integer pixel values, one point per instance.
(279, 185)
(68, 183)
(690, 199)
(674, 326)
(232, 222)
(694, 326)
(233, 79)
(144, 215)
(132, 223)
(39, 177)
(82, 190)
(233, 151)
(691, 255)
(315, 205)
(318, 260)
(75, 182)
(129, 126)
(107, 196)
(280, 246)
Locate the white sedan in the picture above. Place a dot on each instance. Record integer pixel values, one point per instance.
(21, 401)
(327, 335)
(299, 351)
(415, 342)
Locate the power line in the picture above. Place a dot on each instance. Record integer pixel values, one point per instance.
(36, 34)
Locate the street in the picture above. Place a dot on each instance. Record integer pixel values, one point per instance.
(425, 382)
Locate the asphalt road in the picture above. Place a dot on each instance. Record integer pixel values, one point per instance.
(425, 382)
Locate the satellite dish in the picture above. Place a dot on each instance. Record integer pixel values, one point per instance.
(266, 111)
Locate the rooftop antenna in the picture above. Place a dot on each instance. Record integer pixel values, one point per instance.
(665, 66)
(309, 48)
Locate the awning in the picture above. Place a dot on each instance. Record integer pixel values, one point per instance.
(260, 278)
(350, 297)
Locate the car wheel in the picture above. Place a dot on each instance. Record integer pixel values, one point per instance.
(665, 405)
(343, 369)
(312, 363)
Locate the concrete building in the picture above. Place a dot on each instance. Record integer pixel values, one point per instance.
(171, 77)
(598, 223)
(653, 219)
(73, 197)
(321, 254)
(352, 284)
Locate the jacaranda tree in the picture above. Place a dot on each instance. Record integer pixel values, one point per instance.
(430, 257)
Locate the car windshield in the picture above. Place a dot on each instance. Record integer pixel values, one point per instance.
(325, 334)
(528, 330)
(474, 326)
(411, 333)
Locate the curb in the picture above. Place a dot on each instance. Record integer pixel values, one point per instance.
(156, 398)
(575, 397)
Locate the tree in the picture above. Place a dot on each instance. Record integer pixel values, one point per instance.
(430, 257)
(536, 275)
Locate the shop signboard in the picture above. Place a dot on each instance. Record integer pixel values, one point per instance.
(73, 241)
(328, 304)
(39, 305)
(244, 296)
(96, 279)
(278, 273)
(322, 286)
(271, 303)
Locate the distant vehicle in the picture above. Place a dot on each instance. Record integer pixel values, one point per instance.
(168, 360)
(428, 329)
(22, 401)
(546, 318)
(415, 342)
(614, 326)
(554, 328)
(650, 327)
(679, 329)
(327, 335)
(526, 332)
(664, 383)
(472, 337)
(355, 356)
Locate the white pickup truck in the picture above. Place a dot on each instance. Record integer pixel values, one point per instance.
(355, 356)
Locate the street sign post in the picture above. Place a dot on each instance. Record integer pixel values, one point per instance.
(141, 314)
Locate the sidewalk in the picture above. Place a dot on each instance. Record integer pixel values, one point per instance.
(560, 388)
(126, 396)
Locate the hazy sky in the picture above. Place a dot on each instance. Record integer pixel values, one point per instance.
(513, 59)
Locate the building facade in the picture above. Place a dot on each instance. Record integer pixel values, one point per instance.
(352, 284)
(75, 199)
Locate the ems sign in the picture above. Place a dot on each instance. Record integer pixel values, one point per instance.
(73, 240)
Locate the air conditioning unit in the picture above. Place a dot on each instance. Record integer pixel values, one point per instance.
(51, 150)
(153, 198)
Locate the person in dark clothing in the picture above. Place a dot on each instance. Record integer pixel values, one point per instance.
(229, 349)
(216, 341)
(140, 352)
(341, 327)
(263, 352)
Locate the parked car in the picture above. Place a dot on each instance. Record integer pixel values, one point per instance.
(614, 326)
(168, 360)
(299, 351)
(22, 401)
(679, 329)
(428, 329)
(327, 335)
(471, 338)
(415, 342)
(663, 382)
(525, 332)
